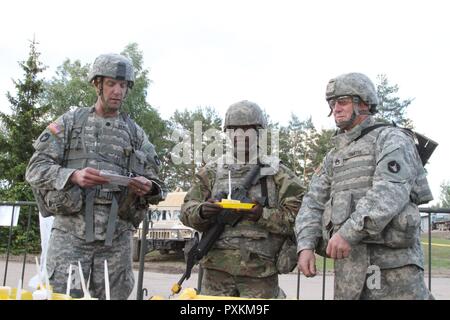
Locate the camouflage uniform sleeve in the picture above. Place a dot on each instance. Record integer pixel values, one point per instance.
(44, 171)
(396, 170)
(308, 224)
(290, 188)
(199, 192)
(151, 169)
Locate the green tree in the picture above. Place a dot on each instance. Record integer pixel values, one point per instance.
(20, 129)
(321, 146)
(139, 109)
(291, 142)
(181, 175)
(273, 127)
(70, 87)
(135, 103)
(303, 148)
(445, 195)
(391, 107)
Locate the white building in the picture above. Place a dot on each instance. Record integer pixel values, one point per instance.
(424, 222)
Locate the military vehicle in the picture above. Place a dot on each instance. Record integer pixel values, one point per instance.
(166, 232)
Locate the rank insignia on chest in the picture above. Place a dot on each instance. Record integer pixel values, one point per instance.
(338, 162)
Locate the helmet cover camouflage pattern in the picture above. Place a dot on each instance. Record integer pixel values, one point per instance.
(353, 84)
(245, 113)
(114, 66)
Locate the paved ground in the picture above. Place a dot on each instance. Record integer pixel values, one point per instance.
(161, 283)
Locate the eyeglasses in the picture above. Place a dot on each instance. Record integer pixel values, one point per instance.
(341, 101)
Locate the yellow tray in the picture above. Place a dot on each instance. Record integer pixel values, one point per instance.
(60, 296)
(191, 294)
(235, 204)
(8, 293)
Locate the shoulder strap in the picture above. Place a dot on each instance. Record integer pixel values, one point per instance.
(424, 145)
(132, 125)
(375, 126)
(80, 116)
(264, 191)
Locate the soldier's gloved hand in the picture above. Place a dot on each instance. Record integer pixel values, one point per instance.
(209, 209)
(255, 213)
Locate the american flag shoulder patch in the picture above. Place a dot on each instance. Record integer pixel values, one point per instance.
(54, 128)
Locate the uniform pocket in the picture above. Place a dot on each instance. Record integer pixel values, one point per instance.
(138, 162)
(342, 207)
(327, 229)
(403, 231)
(287, 257)
(57, 275)
(326, 217)
(245, 231)
(75, 139)
(124, 285)
(51, 269)
(64, 202)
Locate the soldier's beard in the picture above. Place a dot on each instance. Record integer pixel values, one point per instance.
(110, 108)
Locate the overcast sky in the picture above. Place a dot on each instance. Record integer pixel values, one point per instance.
(279, 54)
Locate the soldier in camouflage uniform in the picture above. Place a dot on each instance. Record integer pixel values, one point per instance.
(247, 258)
(362, 205)
(94, 219)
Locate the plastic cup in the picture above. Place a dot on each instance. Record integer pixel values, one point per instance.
(5, 292)
(25, 295)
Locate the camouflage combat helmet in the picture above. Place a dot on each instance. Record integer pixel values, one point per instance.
(353, 84)
(114, 66)
(245, 113)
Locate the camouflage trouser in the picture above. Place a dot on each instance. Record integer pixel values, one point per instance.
(66, 249)
(404, 283)
(219, 283)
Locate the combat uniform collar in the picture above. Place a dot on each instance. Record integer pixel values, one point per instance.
(342, 139)
(226, 160)
(93, 110)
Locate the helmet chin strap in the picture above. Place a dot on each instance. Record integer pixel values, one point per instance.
(348, 123)
(102, 97)
(356, 112)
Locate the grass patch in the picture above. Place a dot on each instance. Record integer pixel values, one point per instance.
(319, 264)
(440, 256)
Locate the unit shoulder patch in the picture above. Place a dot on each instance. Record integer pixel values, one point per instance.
(44, 137)
(394, 166)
